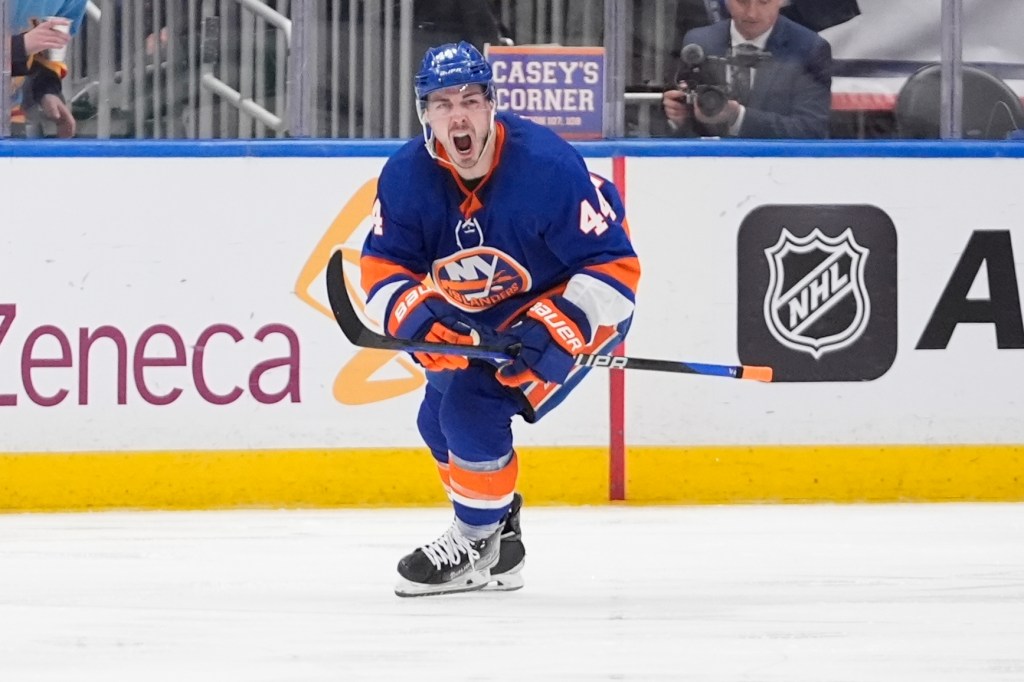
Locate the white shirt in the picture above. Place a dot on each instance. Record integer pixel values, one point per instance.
(759, 42)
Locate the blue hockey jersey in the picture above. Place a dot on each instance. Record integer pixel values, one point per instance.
(25, 14)
(539, 223)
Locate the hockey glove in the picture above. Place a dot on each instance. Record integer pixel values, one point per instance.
(421, 314)
(553, 331)
(448, 331)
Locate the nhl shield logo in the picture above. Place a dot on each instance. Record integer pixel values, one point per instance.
(816, 300)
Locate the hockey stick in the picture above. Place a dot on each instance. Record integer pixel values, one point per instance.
(360, 335)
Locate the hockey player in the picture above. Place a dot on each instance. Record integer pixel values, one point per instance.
(523, 246)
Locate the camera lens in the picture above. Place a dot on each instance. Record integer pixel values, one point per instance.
(711, 100)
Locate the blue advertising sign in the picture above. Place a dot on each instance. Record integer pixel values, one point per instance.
(559, 87)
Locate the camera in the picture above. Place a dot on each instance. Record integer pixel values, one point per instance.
(710, 99)
(705, 76)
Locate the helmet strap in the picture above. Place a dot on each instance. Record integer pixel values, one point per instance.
(430, 140)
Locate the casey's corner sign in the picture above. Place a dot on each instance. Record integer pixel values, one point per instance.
(559, 87)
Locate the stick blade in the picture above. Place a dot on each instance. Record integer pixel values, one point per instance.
(341, 305)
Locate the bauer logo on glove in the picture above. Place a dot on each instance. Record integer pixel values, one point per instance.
(553, 331)
(564, 330)
(409, 301)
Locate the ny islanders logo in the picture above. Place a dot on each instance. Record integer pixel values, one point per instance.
(478, 276)
(474, 277)
(816, 291)
(817, 300)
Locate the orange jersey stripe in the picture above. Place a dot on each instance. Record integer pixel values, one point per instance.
(442, 471)
(484, 485)
(376, 270)
(624, 270)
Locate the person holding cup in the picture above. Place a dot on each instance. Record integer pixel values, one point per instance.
(41, 30)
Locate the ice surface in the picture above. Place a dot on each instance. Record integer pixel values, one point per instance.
(908, 593)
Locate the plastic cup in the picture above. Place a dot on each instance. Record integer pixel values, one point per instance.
(58, 54)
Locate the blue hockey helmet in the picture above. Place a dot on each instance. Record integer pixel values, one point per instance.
(452, 65)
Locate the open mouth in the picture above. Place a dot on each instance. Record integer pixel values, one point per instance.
(463, 142)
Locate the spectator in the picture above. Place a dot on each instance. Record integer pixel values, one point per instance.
(788, 96)
(37, 59)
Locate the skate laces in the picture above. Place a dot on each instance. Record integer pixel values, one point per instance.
(447, 548)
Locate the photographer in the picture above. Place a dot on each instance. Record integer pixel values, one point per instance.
(784, 95)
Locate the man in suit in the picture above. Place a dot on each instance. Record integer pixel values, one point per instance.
(788, 96)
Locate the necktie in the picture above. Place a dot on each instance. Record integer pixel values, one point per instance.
(740, 76)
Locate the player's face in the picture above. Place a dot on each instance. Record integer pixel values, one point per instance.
(460, 118)
(754, 17)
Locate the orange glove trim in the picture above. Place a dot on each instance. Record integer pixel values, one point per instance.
(439, 362)
(516, 380)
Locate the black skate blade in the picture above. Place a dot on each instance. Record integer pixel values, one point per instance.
(474, 582)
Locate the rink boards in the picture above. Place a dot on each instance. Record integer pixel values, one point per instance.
(165, 340)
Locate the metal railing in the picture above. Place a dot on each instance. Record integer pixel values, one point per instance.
(219, 68)
(234, 69)
(254, 119)
(5, 71)
(154, 70)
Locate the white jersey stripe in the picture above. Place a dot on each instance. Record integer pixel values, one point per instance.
(477, 503)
